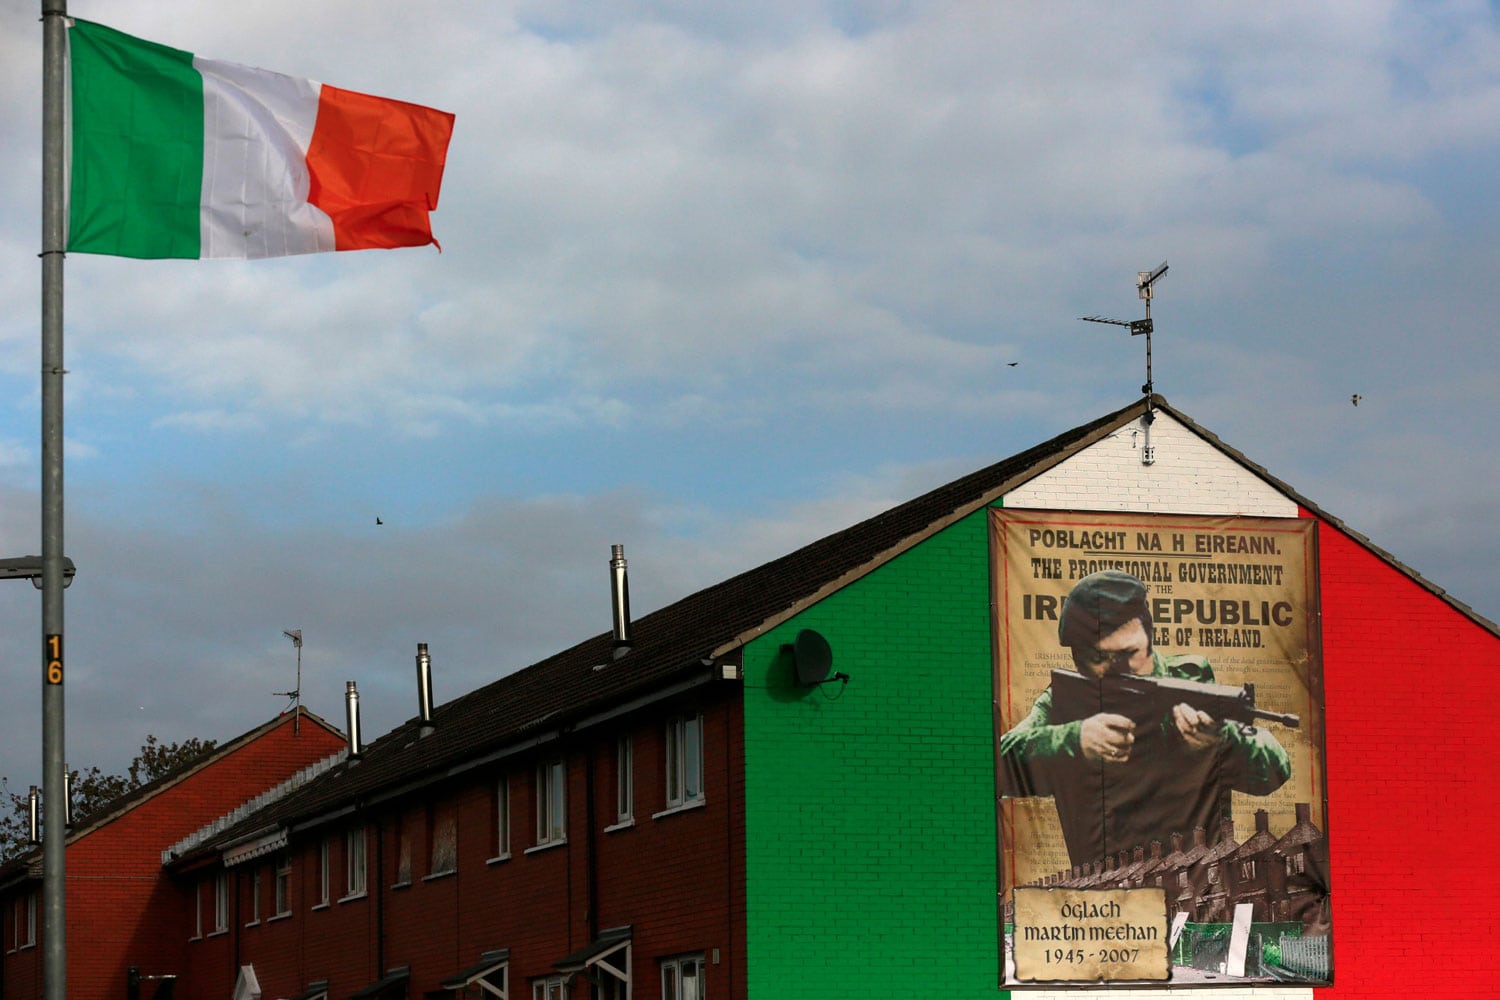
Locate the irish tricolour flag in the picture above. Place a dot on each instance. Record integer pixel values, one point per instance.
(174, 155)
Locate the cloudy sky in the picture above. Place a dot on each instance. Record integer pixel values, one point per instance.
(717, 279)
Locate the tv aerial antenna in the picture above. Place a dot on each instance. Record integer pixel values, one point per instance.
(296, 693)
(1145, 283)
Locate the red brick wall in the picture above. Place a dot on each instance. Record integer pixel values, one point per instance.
(121, 910)
(1412, 712)
(673, 879)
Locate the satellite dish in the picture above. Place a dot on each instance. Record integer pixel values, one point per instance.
(812, 658)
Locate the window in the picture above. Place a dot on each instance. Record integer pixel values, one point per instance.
(550, 988)
(221, 902)
(403, 852)
(624, 782)
(354, 862)
(442, 834)
(323, 877)
(283, 884)
(1213, 874)
(682, 978)
(551, 803)
(502, 818)
(1247, 870)
(1296, 864)
(197, 910)
(255, 895)
(685, 761)
(23, 922)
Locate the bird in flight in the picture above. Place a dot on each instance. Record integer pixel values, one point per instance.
(378, 520)
(1355, 398)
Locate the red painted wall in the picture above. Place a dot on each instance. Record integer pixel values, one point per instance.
(1413, 715)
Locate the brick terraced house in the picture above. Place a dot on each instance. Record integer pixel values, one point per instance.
(122, 911)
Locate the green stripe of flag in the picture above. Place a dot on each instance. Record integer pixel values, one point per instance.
(137, 164)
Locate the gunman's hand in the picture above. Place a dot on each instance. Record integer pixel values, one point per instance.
(1197, 728)
(1106, 737)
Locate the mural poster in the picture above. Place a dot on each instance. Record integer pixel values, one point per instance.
(1159, 726)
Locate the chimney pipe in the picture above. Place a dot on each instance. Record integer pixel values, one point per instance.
(34, 815)
(424, 689)
(619, 592)
(351, 713)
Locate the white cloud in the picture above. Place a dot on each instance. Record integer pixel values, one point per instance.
(754, 267)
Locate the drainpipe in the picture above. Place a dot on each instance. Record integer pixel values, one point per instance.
(379, 898)
(591, 847)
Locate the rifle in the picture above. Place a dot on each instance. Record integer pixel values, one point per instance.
(1148, 701)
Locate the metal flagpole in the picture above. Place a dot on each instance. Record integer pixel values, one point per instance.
(54, 241)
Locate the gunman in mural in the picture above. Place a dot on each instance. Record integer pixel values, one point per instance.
(1136, 745)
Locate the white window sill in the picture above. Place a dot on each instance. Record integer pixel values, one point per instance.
(687, 806)
(623, 824)
(279, 916)
(217, 933)
(353, 896)
(546, 847)
(318, 906)
(253, 923)
(437, 875)
(404, 884)
(498, 858)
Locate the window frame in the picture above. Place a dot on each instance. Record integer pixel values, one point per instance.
(405, 848)
(356, 864)
(325, 872)
(549, 988)
(22, 922)
(683, 758)
(673, 968)
(281, 880)
(221, 903)
(624, 783)
(442, 836)
(501, 814)
(255, 871)
(551, 804)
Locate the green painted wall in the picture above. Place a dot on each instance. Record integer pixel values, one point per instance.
(869, 819)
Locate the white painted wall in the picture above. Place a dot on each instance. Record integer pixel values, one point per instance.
(1189, 476)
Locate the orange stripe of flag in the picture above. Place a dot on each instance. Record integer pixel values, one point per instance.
(376, 166)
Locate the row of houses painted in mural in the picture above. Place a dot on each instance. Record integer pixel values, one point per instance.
(696, 804)
(1284, 879)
